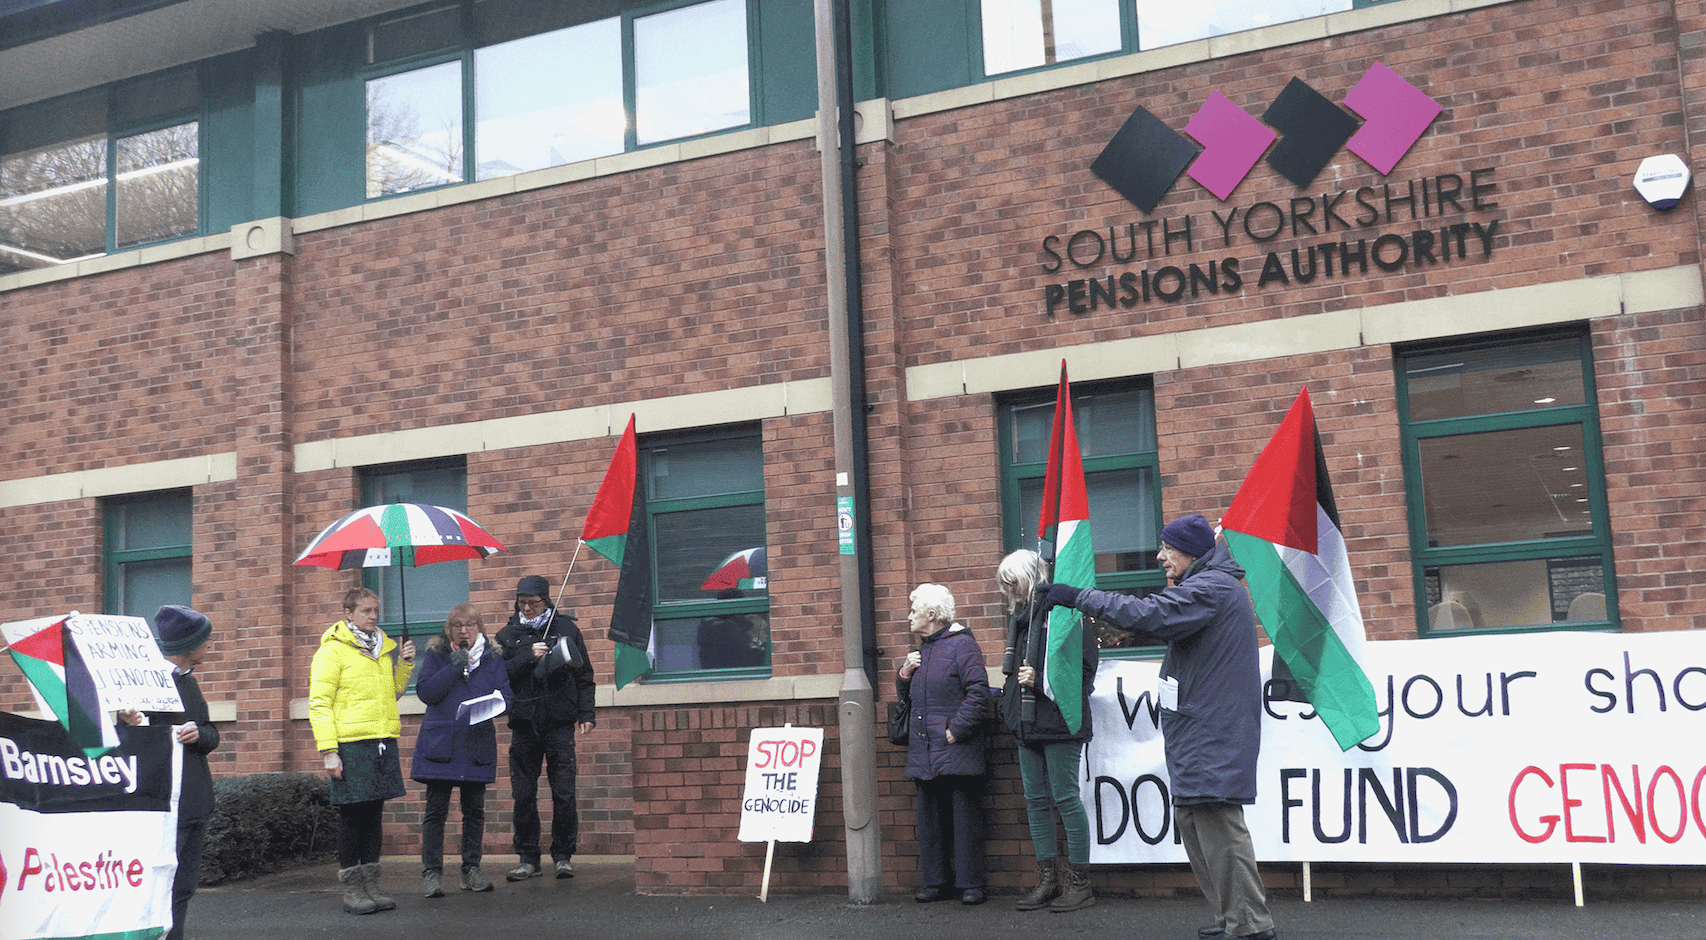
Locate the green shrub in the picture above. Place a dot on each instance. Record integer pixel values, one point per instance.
(268, 822)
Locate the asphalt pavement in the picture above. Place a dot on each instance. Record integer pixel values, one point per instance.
(600, 904)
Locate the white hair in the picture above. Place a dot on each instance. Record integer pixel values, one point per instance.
(1019, 574)
(935, 601)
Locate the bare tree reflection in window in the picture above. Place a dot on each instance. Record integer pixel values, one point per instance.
(53, 205)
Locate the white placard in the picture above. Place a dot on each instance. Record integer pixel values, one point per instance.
(780, 797)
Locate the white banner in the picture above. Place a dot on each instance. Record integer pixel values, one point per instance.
(88, 843)
(125, 662)
(781, 784)
(1558, 747)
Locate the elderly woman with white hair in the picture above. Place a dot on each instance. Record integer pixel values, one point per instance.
(948, 685)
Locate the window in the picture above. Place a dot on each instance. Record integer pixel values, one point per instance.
(432, 590)
(1022, 34)
(1506, 487)
(705, 496)
(147, 553)
(1167, 22)
(550, 84)
(100, 171)
(1116, 435)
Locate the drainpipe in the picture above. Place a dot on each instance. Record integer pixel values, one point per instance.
(835, 142)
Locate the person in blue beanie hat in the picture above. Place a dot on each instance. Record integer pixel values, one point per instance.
(1211, 710)
(183, 634)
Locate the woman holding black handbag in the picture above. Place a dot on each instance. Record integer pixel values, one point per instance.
(948, 686)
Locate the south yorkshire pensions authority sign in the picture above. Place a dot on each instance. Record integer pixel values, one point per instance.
(1429, 220)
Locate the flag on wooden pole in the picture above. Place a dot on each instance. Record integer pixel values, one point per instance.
(616, 528)
(1283, 528)
(1063, 529)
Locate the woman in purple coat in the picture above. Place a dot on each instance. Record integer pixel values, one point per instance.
(949, 689)
(457, 748)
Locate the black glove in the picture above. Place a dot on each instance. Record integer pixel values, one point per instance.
(1058, 595)
(459, 659)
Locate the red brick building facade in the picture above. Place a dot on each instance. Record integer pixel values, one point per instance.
(514, 323)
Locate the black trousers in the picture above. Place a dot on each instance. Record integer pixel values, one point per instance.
(191, 836)
(361, 832)
(438, 810)
(552, 748)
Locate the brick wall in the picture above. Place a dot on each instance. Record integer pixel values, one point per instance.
(706, 274)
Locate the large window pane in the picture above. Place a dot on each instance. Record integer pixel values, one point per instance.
(549, 99)
(690, 71)
(1022, 34)
(53, 205)
(694, 544)
(1123, 526)
(1165, 22)
(159, 180)
(414, 130)
(1115, 427)
(705, 497)
(1516, 377)
(429, 591)
(1530, 592)
(148, 553)
(1505, 486)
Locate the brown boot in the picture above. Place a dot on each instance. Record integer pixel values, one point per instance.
(1076, 893)
(370, 873)
(1048, 885)
(356, 900)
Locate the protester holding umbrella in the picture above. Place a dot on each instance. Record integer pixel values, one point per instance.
(464, 685)
(357, 676)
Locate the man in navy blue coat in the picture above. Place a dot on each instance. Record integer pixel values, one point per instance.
(1211, 719)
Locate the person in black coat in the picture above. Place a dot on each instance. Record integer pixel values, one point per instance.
(550, 677)
(1049, 752)
(182, 635)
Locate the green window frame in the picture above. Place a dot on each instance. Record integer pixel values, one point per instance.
(1505, 485)
(404, 153)
(101, 171)
(149, 552)
(433, 589)
(705, 503)
(1115, 425)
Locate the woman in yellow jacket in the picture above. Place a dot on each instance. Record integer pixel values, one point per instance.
(353, 687)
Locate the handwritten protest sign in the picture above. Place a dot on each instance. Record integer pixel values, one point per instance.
(1509, 749)
(781, 784)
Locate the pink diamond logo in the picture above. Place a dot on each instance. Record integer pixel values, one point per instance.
(1232, 143)
(1397, 114)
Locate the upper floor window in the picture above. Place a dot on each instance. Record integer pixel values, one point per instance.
(1023, 34)
(1115, 424)
(1506, 485)
(148, 553)
(100, 171)
(705, 496)
(549, 91)
(1167, 22)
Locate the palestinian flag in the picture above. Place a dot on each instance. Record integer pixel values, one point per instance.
(1063, 528)
(47, 655)
(616, 528)
(1283, 528)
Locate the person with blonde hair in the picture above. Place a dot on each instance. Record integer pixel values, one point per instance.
(1049, 751)
(353, 686)
(948, 687)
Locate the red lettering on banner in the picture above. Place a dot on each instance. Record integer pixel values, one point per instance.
(102, 873)
(784, 753)
(1645, 809)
